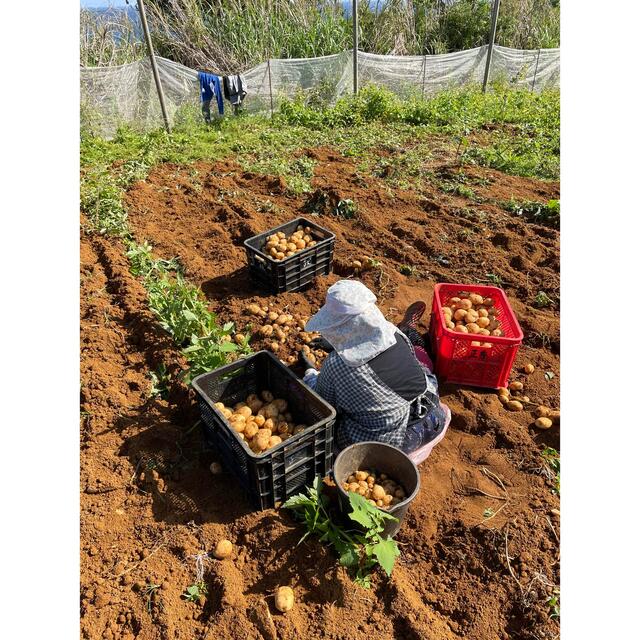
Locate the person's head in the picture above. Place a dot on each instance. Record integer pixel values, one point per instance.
(352, 323)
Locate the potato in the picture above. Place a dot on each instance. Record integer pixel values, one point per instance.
(486, 344)
(472, 327)
(227, 413)
(274, 440)
(299, 428)
(400, 494)
(363, 484)
(459, 314)
(281, 234)
(223, 549)
(460, 328)
(238, 426)
(470, 316)
(475, 343)
(514, 405)
(266, 330)
(362, 491)
(284, 427)
(542, 412)
(554, 416)
(218, 405)
(361, 475)
(543, 423)
(267, 396)
(250, 430)
(525, 399)
(261, 442)
(353, 486)
(378, 493)
(307, 238)
(465, 304)
(351, 478)
(483, 322)
(476, 298)
(503, 398)
(245, 411)
(271, 411)
(255, 310)
(269, 424)
(284, 599)
(280, 255)
(280, 404)
(529, 368)
(516, 386)
(483, 313)
(484, 332)
(496, 332)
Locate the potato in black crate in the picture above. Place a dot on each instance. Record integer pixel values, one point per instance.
(298, 270)
(271, 477)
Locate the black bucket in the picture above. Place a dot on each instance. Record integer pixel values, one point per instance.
(384, 459)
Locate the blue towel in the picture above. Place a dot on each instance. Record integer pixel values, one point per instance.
(210, 87)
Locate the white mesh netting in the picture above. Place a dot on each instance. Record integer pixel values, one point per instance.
(126, 94)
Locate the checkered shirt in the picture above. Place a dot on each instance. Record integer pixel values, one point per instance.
(367, 408)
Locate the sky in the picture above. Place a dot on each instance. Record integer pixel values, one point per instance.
(91, 4)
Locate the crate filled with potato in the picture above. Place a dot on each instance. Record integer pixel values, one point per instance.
(289, 257)
(271, 431)
(474, 335)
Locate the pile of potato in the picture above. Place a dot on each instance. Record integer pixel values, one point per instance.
(471, 313)
(281, 330)
(514, 399)
(279, 246)
(380, 490)
(262, 422)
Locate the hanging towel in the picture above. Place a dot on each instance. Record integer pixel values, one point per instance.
(210, 88)
(235, 89)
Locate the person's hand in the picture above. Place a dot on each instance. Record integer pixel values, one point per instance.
(321, 343)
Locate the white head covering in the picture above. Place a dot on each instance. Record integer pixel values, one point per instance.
(352, 323)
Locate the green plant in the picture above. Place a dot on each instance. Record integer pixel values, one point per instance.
(160, 382)
(407, 269)
(150, 592)
(360, 550)
(552, 461)
(494, 279)
(194, 592)
(346, 209)
(542, 300)
(554, 605)
(538, 212)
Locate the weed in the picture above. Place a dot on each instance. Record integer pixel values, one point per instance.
(552, 462)
(160, 382)
(195, 591)
(542, 300)
(554, 605)
(359, 551)
(488, 512)
(149, 591)
(407, 270)
(494, 279)
(346, 209)
(537, 212)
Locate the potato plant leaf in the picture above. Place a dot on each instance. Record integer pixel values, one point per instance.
(386, 551)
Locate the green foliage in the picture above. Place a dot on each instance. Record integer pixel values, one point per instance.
(160, 382)
(361, 549)
(552, 460)
(554, 605)
(538, 212)
(346, 209)
(542, 300)
(194, 591)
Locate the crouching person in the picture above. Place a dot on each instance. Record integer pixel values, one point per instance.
(377, 376)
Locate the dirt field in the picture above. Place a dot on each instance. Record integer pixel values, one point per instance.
(463, 572)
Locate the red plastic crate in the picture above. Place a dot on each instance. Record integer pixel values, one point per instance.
(460, 363)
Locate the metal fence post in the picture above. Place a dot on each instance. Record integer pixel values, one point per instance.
(535, 73)
(154, 68)
(354, 18)
(492, 37)
(270, 89)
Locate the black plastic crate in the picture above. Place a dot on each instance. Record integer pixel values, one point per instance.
(297, 271)
(278, 473)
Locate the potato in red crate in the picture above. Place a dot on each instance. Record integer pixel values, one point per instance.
(474, 334)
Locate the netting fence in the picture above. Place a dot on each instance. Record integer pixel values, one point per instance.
(126, 94)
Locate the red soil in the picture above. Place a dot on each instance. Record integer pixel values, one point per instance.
(149, 502)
